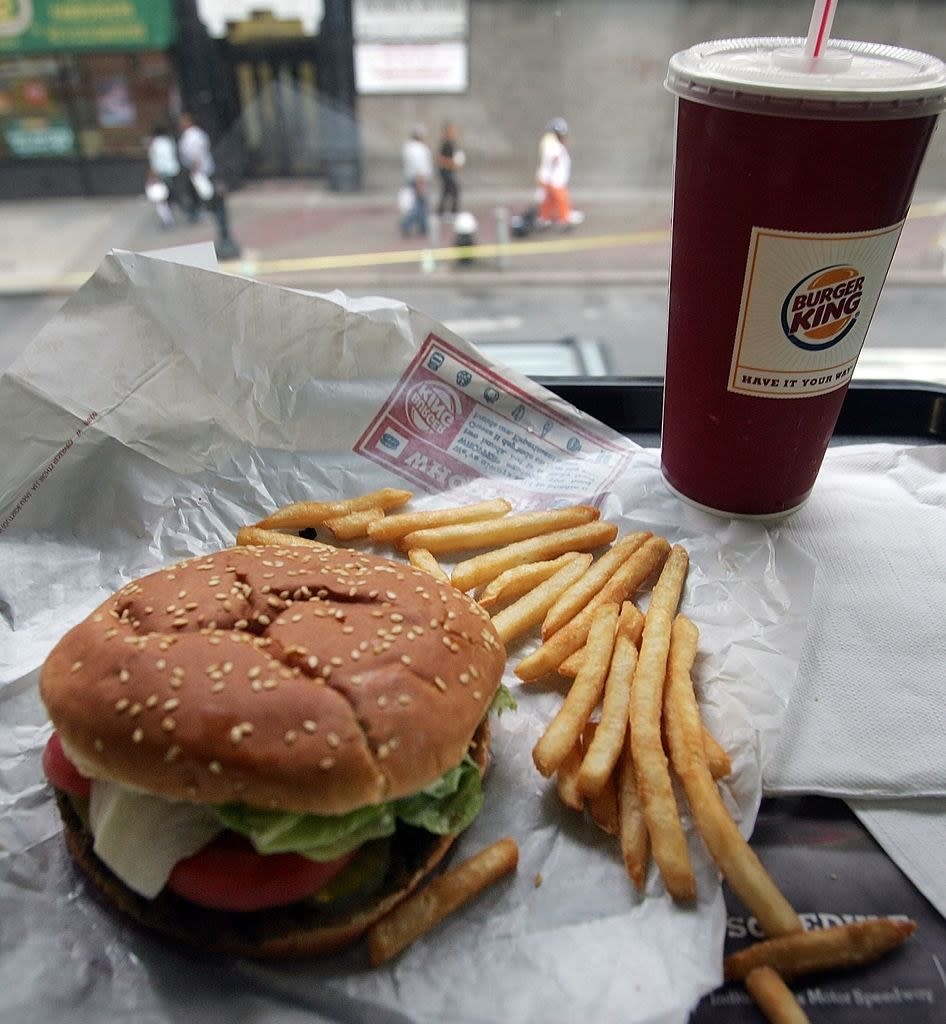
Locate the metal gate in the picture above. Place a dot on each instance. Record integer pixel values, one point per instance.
(277, 90)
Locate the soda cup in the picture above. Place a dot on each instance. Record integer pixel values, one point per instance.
(792, 179)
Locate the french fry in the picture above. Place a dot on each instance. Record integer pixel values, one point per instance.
(520, 579)
(774, 998)
(667, 841)
(392, 528)
(603, 808)
(570, 666)
(563, 731)
(821, 949)
(421, 558)
(480, 569)
(583, 590)
(355, 524)
(493, 533)
(566, 779)
(602, 755)
(255, 535)
(632, 829)
(631, 574)
(737, 861)
(301, 514)
(522, 615)
(716, 757)
(427, 907)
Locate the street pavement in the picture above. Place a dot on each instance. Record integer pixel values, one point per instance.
(299, 234)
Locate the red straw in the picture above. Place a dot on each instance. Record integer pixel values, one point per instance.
(820, 27)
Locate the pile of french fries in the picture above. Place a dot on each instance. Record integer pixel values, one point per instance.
(629, 723)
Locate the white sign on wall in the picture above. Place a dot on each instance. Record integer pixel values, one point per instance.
(405, 21)
(410, 67)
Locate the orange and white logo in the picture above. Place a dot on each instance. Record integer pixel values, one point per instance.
(823, 307)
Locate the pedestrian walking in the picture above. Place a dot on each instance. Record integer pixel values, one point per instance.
(164, 169)
(418, 172)
(193, 145)
(196, 155)
(555, 167)
(450, 158)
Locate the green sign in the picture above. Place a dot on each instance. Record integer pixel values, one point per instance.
(50, 26)
(39, 136)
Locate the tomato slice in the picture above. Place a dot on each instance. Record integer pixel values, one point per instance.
(61, 772)
(228, 874)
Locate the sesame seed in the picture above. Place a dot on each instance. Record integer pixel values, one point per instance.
(137, 736)
(404, 699)
(247, 728)
(440, 684)
(99, 745)
(240, 624)
(152, 701)
(382, 701)
(405, 659)
(290, 737)
(236, 734)
(136, 710)
(383, 751)
(172, 753)
(326, 763)
(76, 665)
(215, 767)
(332, 739)
(390, 595)
(168, 724)
(171, 704)
(336, 661)
(121, 704)
(464, 677)
(217, 687)
(263, 620)
(396, 617)
(309, 726)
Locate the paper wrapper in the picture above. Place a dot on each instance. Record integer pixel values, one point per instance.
(165, 407)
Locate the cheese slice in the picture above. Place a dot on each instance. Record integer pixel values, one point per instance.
(141, 837)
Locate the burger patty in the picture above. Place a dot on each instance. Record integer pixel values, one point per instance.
(287, 931)
(297, 930)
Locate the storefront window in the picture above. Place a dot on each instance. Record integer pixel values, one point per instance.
(34, 112)
(119, 99)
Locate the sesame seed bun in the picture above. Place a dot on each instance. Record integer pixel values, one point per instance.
(315, 680)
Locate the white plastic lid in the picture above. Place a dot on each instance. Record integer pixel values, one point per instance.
(770, 75)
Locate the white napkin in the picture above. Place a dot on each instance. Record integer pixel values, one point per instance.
(913, 834)
(868, 715)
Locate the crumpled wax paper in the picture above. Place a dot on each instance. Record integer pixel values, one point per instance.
(166, 406)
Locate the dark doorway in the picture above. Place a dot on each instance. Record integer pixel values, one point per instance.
(277, 89)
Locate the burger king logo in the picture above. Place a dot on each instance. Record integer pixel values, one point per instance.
(432, 407)
(823, 307)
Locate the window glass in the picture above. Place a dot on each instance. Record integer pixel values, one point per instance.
(34, 116)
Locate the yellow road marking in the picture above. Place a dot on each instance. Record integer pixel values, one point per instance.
(453, 252)
(515, 247)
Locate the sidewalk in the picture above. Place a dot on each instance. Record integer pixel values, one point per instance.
(299, 235)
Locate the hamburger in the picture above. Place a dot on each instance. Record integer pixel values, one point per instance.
(262, 750)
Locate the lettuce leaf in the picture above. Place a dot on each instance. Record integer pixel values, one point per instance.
(445, 807)
(503, 700)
